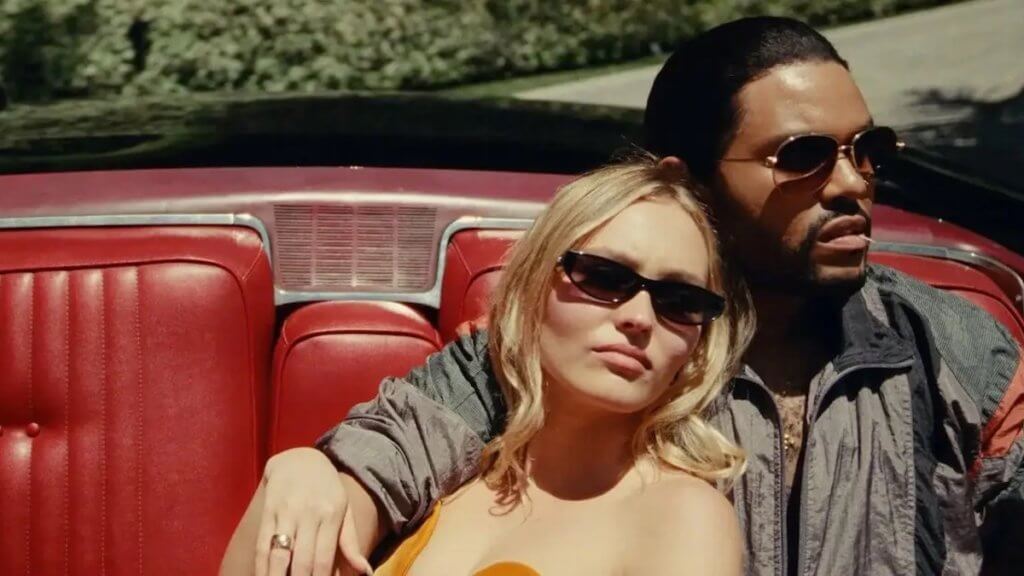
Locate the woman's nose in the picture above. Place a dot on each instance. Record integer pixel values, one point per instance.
(635, 315)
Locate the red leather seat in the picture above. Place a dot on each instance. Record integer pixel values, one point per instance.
(472, 268)
(961, 279)
(133, 368)
(333, 355)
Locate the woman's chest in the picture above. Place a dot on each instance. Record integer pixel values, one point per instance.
(568, 540)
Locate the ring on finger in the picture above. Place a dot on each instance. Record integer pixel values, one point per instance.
(282, 541)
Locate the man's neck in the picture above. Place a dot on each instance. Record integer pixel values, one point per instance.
(795, 338)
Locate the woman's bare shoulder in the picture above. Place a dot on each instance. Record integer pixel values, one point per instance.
(684, 525)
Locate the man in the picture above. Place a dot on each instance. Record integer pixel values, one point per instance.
(882, 418)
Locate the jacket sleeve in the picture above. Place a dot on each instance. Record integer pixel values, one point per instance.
(422, 436)
(999, 470)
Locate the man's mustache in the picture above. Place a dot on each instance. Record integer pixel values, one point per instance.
(821, 221)
(814, 230)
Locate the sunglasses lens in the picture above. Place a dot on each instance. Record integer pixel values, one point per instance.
(686, 304)
(600, 278)
(806, 158)
(805, 154)
(609, 281)
(875, 148)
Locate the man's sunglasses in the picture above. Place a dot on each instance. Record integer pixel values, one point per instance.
(806, 161)
(608, 281)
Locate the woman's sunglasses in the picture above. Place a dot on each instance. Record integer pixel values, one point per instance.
(608, 281)
(806, 161)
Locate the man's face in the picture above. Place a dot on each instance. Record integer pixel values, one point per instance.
(796, 237)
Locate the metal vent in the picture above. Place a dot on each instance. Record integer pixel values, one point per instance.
(335, 248)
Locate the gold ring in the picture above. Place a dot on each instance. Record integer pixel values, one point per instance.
(282, 541)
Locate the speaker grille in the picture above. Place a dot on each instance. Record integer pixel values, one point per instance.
(345, 248)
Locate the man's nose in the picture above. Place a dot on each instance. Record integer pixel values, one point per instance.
(846, 181)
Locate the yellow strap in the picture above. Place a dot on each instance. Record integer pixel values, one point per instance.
(405, 555)
(508, 569)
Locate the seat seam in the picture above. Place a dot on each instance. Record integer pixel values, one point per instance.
(252, 265)
(366, 333)
(32, 416)
(253, 377)
(469, 275)
(275, 425)
(138, 414)
(251, 368)
(103, 422)
(131, 262)
(67, 425)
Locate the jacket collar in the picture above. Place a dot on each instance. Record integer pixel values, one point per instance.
(866, 336)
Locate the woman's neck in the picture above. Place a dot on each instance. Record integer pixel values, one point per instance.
(581, 452)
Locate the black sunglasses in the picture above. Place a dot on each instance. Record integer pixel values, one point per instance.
(609, 281)
(806, 161)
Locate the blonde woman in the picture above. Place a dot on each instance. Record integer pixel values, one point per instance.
(610, 337)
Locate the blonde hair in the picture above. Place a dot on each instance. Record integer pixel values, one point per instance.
(673, 431)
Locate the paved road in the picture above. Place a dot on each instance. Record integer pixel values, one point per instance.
(923, 68)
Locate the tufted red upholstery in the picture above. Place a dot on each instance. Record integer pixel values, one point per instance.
(472, 268)
(332, 355)
(133, 366)
(960, 279)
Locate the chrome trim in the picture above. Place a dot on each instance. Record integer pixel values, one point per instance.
(431, 297)
(963, 256)
(246, 220)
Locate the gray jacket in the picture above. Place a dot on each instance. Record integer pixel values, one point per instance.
(914, 459)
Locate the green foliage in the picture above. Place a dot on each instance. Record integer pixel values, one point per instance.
(60, 48)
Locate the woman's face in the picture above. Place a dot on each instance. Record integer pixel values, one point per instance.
(622, 357)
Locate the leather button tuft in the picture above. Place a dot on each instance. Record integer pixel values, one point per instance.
(32, 430)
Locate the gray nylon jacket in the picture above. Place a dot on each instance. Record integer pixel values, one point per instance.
(914, 457)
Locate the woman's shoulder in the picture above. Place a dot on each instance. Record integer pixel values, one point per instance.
(672, 492)
(685, 523)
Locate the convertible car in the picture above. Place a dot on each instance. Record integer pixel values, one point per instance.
(185, 291)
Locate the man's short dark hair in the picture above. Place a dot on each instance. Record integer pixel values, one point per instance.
(691, 111)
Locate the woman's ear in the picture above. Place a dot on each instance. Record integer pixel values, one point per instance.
(674, 167)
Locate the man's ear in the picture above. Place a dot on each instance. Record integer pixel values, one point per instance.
(673, 166)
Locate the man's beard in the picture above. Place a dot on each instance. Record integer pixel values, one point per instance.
(809, 273)
(783, 269)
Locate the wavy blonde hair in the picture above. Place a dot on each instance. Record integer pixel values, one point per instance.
(674, 430)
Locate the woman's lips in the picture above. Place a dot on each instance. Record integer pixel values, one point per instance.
(623, 359)
(621, 364)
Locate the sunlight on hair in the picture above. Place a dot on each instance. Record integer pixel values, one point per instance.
(674, 431)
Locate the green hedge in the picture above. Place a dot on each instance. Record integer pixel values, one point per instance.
(61, 48)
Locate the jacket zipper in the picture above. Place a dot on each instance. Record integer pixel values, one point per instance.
(809, 438)
(780, 478)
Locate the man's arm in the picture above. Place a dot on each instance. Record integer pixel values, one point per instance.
(1000, 473)
(422, 436)
(981, 381)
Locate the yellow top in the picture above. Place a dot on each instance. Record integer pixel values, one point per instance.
(399, 563)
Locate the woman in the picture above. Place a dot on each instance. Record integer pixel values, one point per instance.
(610, 340)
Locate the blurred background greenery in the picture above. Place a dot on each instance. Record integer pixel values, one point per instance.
(60, 49)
